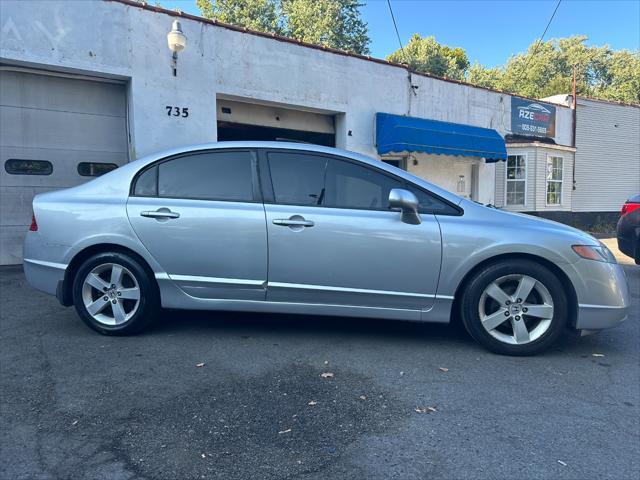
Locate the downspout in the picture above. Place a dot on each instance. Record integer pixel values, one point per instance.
(575, 119)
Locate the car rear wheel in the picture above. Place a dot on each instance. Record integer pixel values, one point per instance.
(515, 307)
(114, 294)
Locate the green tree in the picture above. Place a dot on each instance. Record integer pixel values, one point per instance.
(331, 23)
(428, 56)
(546, 68)
(260, 15)
(623, 82)
(484, 77)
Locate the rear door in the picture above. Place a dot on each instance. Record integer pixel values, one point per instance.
(201, 217)
(333, 239)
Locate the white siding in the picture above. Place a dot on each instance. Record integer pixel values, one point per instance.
(536, 194)
(608, 156)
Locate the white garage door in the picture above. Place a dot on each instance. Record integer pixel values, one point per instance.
(56, 132)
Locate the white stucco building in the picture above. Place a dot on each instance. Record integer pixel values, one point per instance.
(88, 85)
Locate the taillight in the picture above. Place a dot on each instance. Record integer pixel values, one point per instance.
(34, 224)
(629, 207)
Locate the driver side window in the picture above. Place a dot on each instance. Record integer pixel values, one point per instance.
(307, 179)
(354, 186)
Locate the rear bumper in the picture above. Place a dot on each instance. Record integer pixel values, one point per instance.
(44, 276)
(628, 245)
(40, 270)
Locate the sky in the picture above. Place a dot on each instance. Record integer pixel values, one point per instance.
(492, 30)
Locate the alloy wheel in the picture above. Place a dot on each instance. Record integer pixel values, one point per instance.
(111, 294)
(516, 309)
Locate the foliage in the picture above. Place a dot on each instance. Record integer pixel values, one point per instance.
(331, 23)
(260, 15)
(427, 55)
(545, 69)
(334, 23)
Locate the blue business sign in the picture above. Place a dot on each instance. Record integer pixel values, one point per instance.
(529, 117)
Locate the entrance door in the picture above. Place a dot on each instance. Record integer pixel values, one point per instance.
(201, 218)
(333, 239)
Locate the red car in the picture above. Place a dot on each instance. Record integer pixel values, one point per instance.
(629, 228)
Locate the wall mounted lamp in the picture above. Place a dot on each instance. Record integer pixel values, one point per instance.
(177, 41)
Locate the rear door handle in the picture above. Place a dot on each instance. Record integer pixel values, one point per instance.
(160, 213)
(293, 222)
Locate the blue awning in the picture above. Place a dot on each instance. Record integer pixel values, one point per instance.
(396, 134)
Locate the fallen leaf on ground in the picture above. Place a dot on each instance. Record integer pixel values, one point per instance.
(285, 431)
(425, 409)
(312, 403)
(362, 397)
(597, 354)
(199, 365)
(443, 369)
(562, 463)
(326, 375)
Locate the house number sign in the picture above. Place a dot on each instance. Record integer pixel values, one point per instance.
(177, 111)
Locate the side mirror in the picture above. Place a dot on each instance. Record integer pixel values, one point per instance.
(407, 203)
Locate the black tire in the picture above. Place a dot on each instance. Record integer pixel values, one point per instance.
(471, 298)
(148, 305)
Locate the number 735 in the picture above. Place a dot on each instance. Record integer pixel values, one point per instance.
(177, 111)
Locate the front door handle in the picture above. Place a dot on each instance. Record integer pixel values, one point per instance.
(295, 221)
(161, 213)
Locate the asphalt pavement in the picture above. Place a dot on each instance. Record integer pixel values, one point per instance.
(246, 396)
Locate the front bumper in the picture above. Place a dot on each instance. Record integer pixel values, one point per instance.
(602, 294)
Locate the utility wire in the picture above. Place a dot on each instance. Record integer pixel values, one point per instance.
(535, 49)
(406, 60)
(393, 18)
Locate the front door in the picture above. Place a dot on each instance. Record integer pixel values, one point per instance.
(201, 218)
(333, 239)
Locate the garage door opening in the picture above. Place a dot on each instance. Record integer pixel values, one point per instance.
(247, 121)
(228, 131)
(58, 130)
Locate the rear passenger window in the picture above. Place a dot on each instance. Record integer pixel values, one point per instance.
(225, 176)
(147, 183)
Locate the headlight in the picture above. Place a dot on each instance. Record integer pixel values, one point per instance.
(599, 254)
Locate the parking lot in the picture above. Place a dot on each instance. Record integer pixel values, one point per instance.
(224, 395)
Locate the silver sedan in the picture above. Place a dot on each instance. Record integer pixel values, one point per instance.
(278, 227)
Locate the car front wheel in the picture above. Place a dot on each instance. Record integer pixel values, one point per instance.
(515, 307)
(114, 295)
